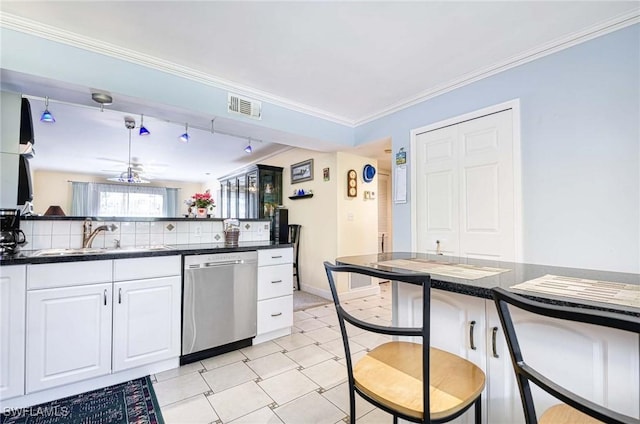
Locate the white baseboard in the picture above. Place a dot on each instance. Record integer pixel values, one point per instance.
(271, 335)
(353, 294)
(88, 385)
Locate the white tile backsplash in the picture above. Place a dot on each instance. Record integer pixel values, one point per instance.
(68, 234)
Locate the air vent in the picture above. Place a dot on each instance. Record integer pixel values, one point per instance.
(244, 106)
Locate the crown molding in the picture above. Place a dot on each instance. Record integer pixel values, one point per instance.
(66, 37)
(538, 52)
(59, 35)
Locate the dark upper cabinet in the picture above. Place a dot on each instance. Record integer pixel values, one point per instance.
(252, 193)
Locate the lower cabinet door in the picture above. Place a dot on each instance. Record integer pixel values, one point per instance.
(275, 314)
(12, 327)
(68, 335)
(146, 321)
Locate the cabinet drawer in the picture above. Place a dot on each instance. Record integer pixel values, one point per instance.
(44, 276)
(275, 256)
(274, 314)
(141, 268)
(275, 281)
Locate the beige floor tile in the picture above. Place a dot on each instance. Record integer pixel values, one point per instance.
(261, 416)
(300, 316)
(309, 409)
(231, 375)
(322, 311)
(310, 324)
(287, 386)
(180, 388)
(259, 350)
(331, 320)
(309, 355)
(238, 401)
(339, 396)
(324, 334)
(176, 372)
(194, 410)
(222, 360)
(327, 374)
(377, 416)
(294, 341)
(364, 314)
(336, 347)
(271, 365)
(370, 340)
(352, 330)
(355, 357)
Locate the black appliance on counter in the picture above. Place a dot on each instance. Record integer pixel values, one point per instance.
(280, 225)
(11, 236)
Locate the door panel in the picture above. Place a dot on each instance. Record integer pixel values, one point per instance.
(465, 189)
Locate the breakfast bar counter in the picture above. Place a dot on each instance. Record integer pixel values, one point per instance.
(604, 290)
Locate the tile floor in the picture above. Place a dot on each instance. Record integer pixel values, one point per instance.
(297, 379)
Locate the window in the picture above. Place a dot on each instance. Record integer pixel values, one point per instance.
(93, 199)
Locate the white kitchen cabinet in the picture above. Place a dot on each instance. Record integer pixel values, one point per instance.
(68, 335)
(562, 349)
(146, 321)
(12, 327)
(81, 324)
(275, 294)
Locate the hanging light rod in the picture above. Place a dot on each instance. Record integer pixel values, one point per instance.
(168, 121)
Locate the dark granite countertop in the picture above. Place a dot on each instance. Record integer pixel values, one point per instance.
(27, 256)
(516, 273)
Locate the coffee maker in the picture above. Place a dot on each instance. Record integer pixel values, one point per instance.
(11, 236)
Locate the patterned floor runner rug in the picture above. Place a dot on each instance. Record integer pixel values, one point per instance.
(133, 402)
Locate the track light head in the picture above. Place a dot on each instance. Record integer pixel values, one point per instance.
(46, 115)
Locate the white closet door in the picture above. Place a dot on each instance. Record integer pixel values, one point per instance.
(465, 189)
(437, 200)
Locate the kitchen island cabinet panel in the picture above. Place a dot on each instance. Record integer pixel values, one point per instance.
(68, 335)
(275, 294)
(146, 321)
(12, 328)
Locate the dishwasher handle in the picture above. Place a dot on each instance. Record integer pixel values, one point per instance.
(216, 264)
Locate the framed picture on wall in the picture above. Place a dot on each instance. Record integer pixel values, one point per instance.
(302, 171)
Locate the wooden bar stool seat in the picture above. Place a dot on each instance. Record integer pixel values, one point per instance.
(392, 375)
(564, 414)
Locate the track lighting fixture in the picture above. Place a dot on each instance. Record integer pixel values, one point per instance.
(248, 149)
(103, 99)
(143, 130)
(185, 137)
(129, 176)
(46, 115)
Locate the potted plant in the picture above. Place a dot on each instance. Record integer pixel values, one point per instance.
(203, 202)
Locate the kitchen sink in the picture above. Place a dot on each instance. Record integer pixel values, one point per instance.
(62, 252)
(97, 250)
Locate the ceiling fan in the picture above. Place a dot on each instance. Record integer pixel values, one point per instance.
(135, 169)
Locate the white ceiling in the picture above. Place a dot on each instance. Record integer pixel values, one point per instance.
(351, 61)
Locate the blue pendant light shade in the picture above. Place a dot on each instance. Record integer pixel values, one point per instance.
(185, 137)
(46, 115)
(248, 149)
(143, 130)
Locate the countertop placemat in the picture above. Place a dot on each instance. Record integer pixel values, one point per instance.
(594, 290)
(466, 272)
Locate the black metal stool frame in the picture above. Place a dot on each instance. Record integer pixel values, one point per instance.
(421, 279)
(525, 373)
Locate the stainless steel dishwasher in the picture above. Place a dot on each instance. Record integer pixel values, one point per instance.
(219, 303)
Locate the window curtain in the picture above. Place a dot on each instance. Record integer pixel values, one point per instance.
(171, 203)
(84, 201)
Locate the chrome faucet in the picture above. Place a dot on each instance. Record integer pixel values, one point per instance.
(88, 235)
